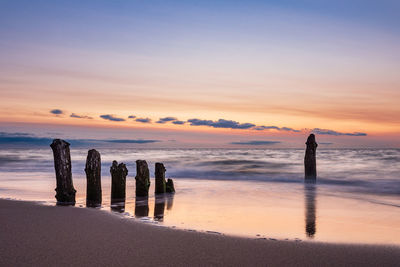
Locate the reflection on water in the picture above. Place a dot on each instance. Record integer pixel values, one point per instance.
(310, 208)
(159, 205)
(118, 206)
(244, 208)
(141, 207)
(170, 201)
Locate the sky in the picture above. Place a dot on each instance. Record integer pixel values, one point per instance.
(201, 73)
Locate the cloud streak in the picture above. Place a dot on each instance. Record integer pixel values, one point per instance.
(262, 128)
(56, 111)
(26, 138)
(221, 123)
(179, 122)
(166, 119)
(73, 115)
(111, 117)
(256, 143)
(143, 120)
(335, 133)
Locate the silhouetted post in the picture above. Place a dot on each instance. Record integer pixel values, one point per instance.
(310, 163)
(160, 178)
(65, 191)
(170, 186)
(93, 178)
(142, 178)
(118, 182)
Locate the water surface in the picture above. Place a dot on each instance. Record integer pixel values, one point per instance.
(247, 192)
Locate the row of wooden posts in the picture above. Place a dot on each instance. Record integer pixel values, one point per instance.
(65, 191)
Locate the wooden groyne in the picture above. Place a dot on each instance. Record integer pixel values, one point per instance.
(65, 191)
(93, 179)
(310, 162)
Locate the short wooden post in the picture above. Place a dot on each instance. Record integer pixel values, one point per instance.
(160, 187)
(170, 186)
(93, 179)
(65, 191)
(118, 182)
(142, 178)
(310, 163)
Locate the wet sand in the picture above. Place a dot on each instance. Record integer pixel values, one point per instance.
(37, 235)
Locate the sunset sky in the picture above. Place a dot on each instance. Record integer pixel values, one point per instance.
(202, 73)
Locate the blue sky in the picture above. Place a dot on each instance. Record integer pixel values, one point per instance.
(330, 65)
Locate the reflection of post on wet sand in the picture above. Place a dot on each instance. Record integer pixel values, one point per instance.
(118, 206)
(141, 207)
(310, 205)
(170, 200)
(159, 205)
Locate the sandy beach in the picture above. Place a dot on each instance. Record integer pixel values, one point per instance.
(32, 234)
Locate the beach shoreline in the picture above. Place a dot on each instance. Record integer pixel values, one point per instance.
(40, 235)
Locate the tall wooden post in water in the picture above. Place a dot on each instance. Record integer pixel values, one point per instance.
(93, 179)
(118, 182)
(310, 162)
(142, 178)
(65, 191)
(160, 178)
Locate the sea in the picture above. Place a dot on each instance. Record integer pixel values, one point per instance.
(252, 193)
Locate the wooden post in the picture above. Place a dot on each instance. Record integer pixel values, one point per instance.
(65, 191)
(142, 178)
(160, 187)
(118, 182)
(310, 163)
(93, 179)
(170, 186)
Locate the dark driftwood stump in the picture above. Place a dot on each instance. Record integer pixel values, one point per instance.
(142, 179)
(160, 178)
(65, 191)
(170, 186)
(118, 182)
(310, 163)
(93, 178)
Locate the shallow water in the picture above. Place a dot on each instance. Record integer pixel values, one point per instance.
(247, 192)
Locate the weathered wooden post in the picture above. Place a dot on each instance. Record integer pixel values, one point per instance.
(142, 178)
(160, 178)
(170, 186)
(65, 191)
(93, 178)
(118, 182)
(310, 163)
